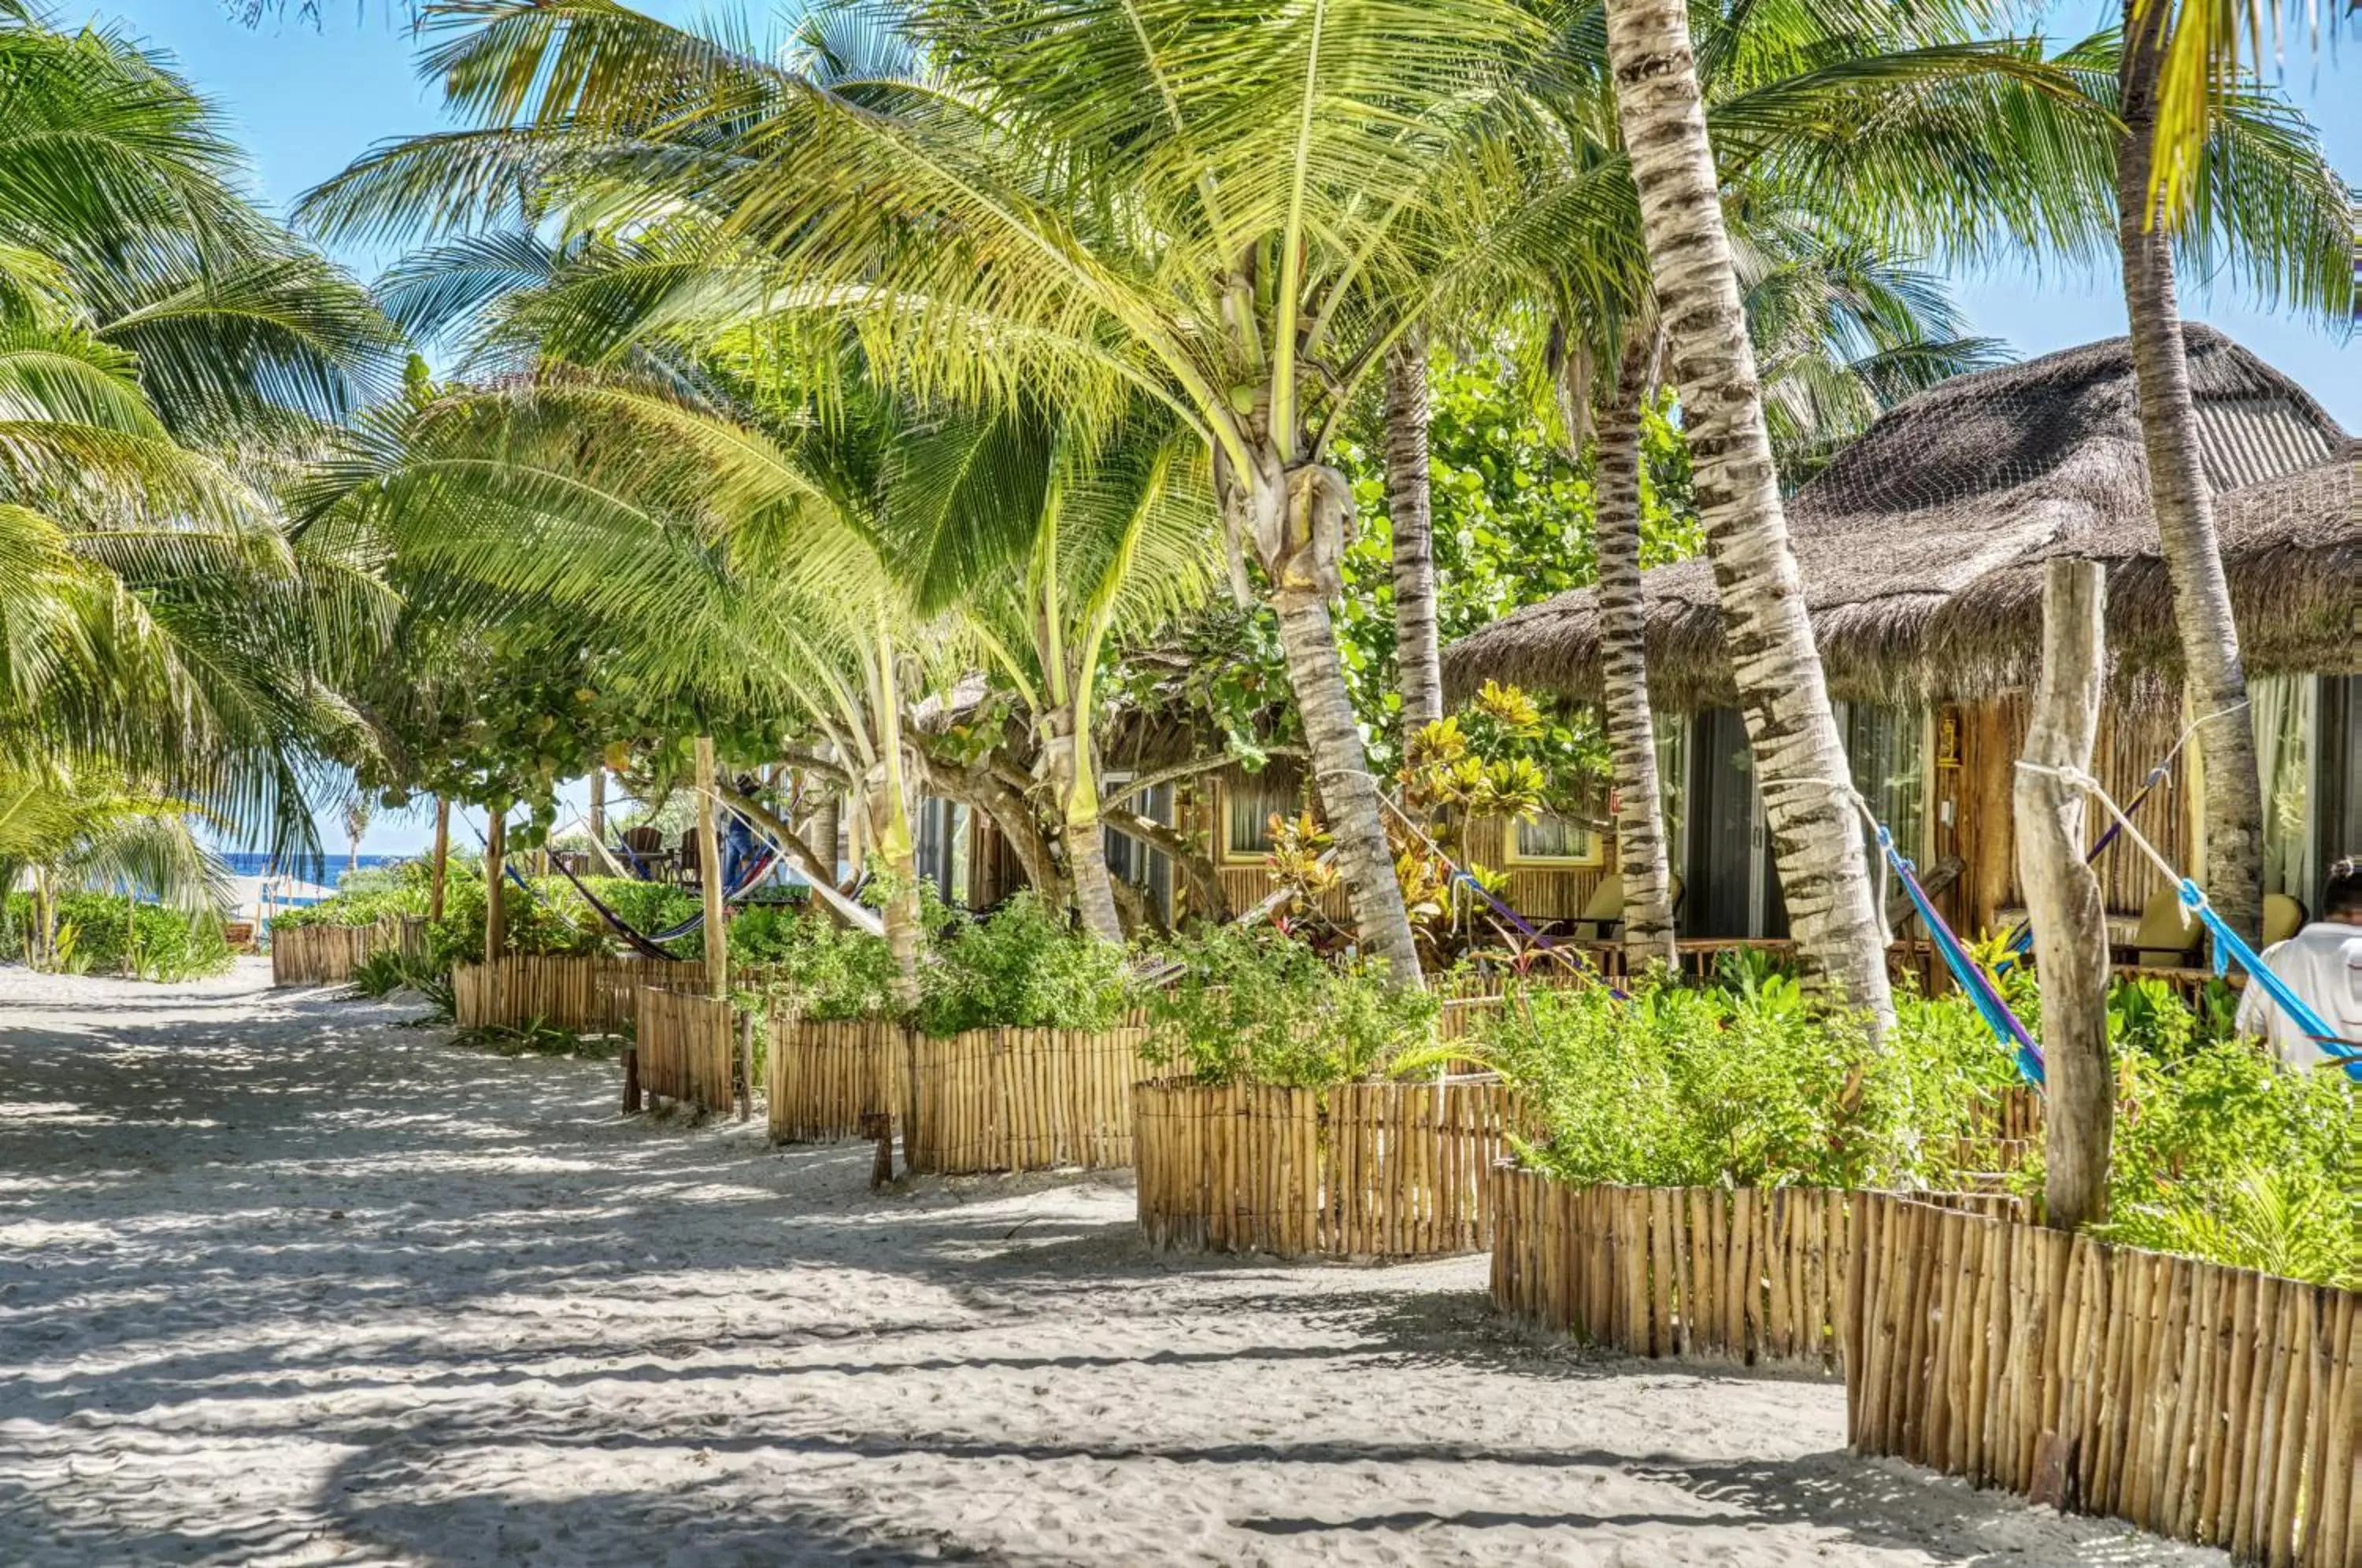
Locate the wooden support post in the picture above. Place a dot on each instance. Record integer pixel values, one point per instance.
(743, 1067)
(598, 804)
(2062, 894)
(442, 856)
(709, 875)
(496, 901)
(630, 1080)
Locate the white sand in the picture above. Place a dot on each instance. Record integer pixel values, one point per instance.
(282, 1282)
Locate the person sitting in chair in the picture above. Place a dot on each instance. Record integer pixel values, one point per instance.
(737, 840)
(2322, 964)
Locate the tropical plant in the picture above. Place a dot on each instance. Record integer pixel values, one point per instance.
(166, 353)
(1257, 1005)
(1025, 968)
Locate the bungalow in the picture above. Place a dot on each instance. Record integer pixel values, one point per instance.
(1921, 548)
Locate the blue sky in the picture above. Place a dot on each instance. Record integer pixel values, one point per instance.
(304, 101)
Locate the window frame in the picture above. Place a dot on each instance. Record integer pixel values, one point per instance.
(1511, 854)
(1230, 855)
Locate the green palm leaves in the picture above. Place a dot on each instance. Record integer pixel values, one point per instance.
(166, 354)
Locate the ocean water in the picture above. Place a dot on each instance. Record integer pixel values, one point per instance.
(324, 870)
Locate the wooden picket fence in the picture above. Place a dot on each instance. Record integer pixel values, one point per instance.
(825, 1076)
(327, 954)
(1751, 1275)
(684, 1044)
(594, 994)
(1020, 1100)
(1356, 1170)
(2210, 1404)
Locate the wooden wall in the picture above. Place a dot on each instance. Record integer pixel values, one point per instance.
(1536, 892)
(1991, 737)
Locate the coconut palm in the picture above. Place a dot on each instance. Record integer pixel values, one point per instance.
(1103, 532)
(165, 353)
(1410, 520)
(62, 830)
(1086, 204)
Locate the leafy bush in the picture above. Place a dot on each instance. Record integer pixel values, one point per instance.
(1024, 968)
(2229, 1156)
(818, 969)
(95, 930)
(1253, 1004)
(1740, 1087)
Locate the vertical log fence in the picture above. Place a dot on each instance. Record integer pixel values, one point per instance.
(593, 994)
(825, 1077)
(328, 954)
(1355, 1170)
(2213, 1405)
(684, 1045)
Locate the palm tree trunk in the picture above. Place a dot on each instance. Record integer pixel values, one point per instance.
(1094, 887)
(1815, 837)
(1299, 519)
(1641, 852)
(1417, 654)
(1349, 795)
(2214, 679)
(496, 900)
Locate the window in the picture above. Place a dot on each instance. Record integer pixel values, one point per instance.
(1553, 840)
(1248, 806)
(1886, 752)
(2286, 711)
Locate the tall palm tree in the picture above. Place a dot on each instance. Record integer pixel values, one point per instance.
(1084, 204)
(1823, 877)
(1105, 534)
(167, 354)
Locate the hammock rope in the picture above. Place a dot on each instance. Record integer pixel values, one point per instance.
(2020, 940)
(2229, 947)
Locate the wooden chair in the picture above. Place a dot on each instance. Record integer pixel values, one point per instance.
(2161, 940)
(691, 865)
(2283, 917)
(645, 852)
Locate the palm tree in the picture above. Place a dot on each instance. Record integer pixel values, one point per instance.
(1085, 204)
(62, 830)
(1103, 534)
(167, 353)
(2153, 210)
(1822, 874)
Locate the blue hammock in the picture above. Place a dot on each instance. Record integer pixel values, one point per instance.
(649, 943)
(2230, 948)
(1966, 971)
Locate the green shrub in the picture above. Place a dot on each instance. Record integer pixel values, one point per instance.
(1256, 1005)
(96, 929)
(2227, 1155)
(821, 969)
(1740, 1087)
(1024, 968)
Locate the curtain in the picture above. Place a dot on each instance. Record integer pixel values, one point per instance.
(2284, 709)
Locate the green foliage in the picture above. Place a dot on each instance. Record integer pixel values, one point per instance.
(1255, 1005)
(821, 969)
(1024, 968)
(1742, 1087)
(97, 928)
(2227, 1155)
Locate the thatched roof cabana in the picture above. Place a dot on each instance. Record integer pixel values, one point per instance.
(1920, 544)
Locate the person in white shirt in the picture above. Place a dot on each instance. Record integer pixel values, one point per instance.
(2322, 964)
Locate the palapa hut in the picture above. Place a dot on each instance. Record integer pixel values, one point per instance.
(1921, 548)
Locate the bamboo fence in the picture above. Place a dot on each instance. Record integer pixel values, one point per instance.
(825, 1076)
(2210, 1404)
(327, 954)
(1356, 1170)
(1020, 1099)
(1750, 1274)
(594, 994)
(684, 1044)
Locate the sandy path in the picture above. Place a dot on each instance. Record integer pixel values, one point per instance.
(282, 1282)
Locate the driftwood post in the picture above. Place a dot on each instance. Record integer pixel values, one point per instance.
(496, 903)
(709, 875)
(2062, 895)
(442, 856)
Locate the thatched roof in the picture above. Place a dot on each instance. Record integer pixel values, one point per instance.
(1920, 546)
